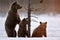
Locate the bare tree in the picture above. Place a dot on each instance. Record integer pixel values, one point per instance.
(29, 13)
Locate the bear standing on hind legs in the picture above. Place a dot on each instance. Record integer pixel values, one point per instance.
(12, 20)
(40, 30)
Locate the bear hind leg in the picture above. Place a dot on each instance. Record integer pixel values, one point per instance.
(14, 33)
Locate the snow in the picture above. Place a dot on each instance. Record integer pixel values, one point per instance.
(53, 27)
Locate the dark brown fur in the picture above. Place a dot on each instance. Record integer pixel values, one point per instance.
(12, 20)
(22, 32)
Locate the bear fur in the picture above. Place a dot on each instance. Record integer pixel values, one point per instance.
(12, 20)
(40, 31)
(22, 32)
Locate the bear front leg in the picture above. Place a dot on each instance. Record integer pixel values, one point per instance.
(18, 19)
(21, 33)
(27, 33)
(45, 34)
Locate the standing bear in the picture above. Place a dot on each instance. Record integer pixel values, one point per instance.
(12, 20)
(40, 30)
(22, 31)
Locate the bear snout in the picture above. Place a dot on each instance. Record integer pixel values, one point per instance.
(20, 7)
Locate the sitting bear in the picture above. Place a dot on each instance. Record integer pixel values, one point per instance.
(22, 31)
(40, 30)
(12, 20)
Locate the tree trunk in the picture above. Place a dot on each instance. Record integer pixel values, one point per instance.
(29, 13)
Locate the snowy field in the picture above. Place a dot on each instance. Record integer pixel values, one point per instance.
(53, 27)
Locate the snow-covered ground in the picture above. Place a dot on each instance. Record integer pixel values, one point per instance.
(53, 27)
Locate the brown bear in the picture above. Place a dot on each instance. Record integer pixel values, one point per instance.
(12, 20)
(40, 31)
(22, 32)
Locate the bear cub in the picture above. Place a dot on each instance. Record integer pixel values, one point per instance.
(40, 31)
(23, 32)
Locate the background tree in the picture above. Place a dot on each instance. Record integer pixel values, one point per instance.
(29, 15)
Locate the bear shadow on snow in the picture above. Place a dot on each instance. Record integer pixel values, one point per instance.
(12, 19)
(22, 31)
(40, 31)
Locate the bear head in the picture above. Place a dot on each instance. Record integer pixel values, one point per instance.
(25, 20)
(15, 5)
(43, 24)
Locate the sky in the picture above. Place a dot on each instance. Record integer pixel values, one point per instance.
(45, 7)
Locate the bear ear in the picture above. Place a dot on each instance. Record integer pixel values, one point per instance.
(24, 19)
(40, 22)
(45, 22)
(27, 19)
(14, 3)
